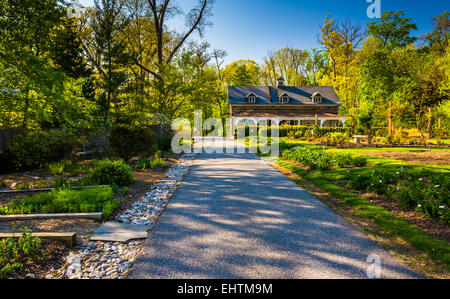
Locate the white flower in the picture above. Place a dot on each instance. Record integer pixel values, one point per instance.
(398, 172)
(441, 207)
(419, 206)
(421, 179)
(437, 186)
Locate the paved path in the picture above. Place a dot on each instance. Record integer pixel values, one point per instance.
(237, 217)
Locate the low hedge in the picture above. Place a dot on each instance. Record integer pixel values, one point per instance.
(126, 141)
(297, 131)
(93, 200)
(107, 172)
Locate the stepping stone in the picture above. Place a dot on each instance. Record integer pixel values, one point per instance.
(120, 232)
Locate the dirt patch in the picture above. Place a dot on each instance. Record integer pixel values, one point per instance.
(434, 157)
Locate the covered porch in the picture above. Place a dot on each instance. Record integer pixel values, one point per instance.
(309, 120)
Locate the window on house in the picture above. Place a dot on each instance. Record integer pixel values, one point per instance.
(318, 99)
(284, 99)
(251, 99)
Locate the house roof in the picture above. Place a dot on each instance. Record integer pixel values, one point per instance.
(269, 95)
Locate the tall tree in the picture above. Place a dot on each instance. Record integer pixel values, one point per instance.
(393, 30)
(439, 38)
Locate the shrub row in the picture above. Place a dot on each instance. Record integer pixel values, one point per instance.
(428, 194)
(317, 159)
(295, 131)
(35, 149)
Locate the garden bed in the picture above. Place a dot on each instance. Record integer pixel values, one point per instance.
(126, 197)
(434, 157)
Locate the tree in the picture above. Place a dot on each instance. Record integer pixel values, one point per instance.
(241, 77)
(104, 50)
(393, 30)
(161, 11)
(252, 73)
(440, 36)
(289, 63)
(33, 93)
(341, 54)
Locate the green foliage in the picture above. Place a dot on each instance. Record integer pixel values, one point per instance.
(335, 139)
(151, 164)
(38, 148)
(56, 168)
(91, 200)
(13, 252)
(127, 141)
(108, 172)
(22, 187)
(317, 159)
(3, 184)
(126, 191)
(428, 195)
(62, 183)
(393, 30)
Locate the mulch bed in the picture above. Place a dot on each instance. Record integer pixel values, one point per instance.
(431, 226)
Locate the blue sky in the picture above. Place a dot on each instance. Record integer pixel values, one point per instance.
(248, 29)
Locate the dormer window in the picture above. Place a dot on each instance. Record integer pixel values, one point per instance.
(251, 98)
(284, 99)
(317, 98)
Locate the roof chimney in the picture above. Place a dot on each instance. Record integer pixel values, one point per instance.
(280, 82)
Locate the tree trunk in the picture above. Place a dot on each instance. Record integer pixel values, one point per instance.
(429, 123)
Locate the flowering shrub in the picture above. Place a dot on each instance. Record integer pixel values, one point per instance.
(317, 159)
(429, 195)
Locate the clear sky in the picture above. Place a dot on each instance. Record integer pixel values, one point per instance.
(248, 29)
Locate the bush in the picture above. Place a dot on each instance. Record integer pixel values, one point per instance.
(3, 184)
(334, 139)
(151, 164)
(56, 168)
(108, 172)
(317, 159)
(38, 148)
(429, 196)
(165, 142)
(359, 161)
(65, 201)
(13, 252)
(127, 141)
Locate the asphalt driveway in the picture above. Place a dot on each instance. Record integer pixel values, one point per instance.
(237, 217)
